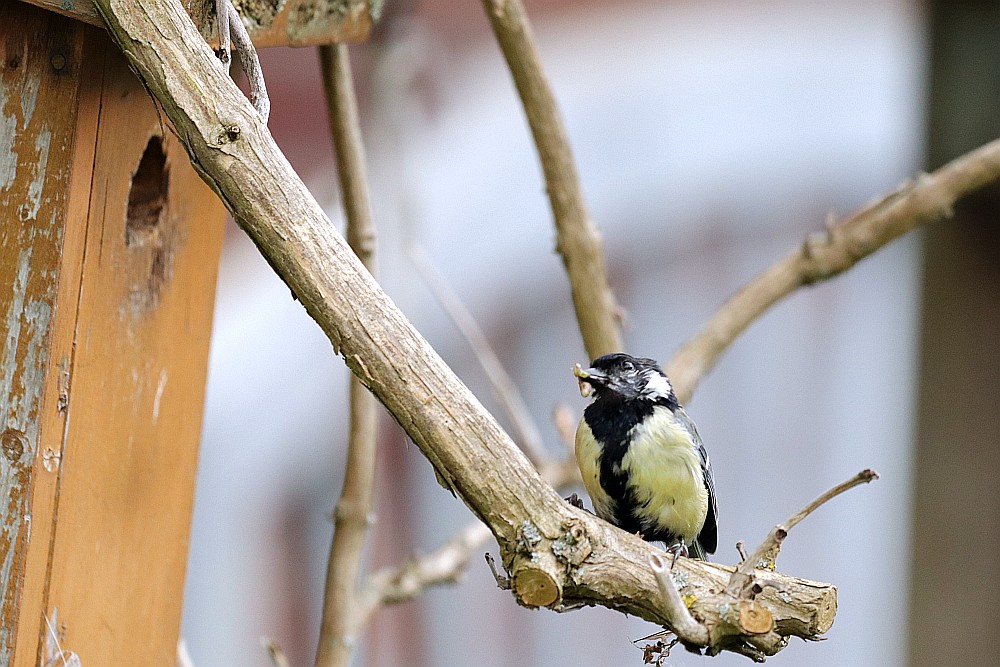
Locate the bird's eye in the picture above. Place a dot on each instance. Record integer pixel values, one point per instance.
(628, 366)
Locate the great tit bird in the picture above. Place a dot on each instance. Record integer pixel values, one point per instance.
(641, 458)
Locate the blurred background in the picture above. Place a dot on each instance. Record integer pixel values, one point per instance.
(711, 138)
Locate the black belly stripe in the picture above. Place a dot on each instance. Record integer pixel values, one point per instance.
(611, 423)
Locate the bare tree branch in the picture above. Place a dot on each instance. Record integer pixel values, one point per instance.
(823, 255)
(445, 565)
(248, 58)
(732, 617)
(577, 238)
(526, 432)
(680, 619)
(765, 555)
(351, 519)
(222, 21)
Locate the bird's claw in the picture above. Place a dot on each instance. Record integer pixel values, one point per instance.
(678, 548)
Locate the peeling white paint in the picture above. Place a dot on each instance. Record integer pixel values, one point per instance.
(51, 459)
(8, 367)
(29, 209)
(37, 314)
(8, 362)
(8, 132)
(29, 98)
(161, 385)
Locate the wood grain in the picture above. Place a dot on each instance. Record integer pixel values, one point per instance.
(41, 75)
(105, 349)
(137, 384)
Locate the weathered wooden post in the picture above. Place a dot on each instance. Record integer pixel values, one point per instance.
(109, 247)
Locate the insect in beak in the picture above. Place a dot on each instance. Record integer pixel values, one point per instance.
(585, 378)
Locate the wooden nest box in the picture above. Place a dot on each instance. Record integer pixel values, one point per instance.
(109, 250)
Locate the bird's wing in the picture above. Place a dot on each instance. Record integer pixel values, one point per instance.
(709, 535)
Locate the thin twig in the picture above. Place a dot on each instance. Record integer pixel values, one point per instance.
(862, 477)
(681, 622)
(577, 238)
(222, 19)
(274, 652)
(566, 423)
(503, 581)
(526, 432)
(741, 549)
(351, 518)
(823, 255)
(248, 61)
(764, 555)
(54, 654)
(404, 582)
(345, 126)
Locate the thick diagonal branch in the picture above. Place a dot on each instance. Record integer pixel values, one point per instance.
(234, 153)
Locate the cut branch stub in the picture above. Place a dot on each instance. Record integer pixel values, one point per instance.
(535, 576)
(590, 561)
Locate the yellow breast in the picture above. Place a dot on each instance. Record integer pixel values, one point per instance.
(588, 453)
(664, 472)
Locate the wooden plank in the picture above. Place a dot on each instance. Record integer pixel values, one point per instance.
(41, 71)
(47, 470)
(270, 22)
(136, 388)
(105, 340)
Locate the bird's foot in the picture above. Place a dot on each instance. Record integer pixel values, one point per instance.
(575, 501)
(678, 548)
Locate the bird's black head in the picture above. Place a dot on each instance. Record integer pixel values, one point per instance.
(621, 377)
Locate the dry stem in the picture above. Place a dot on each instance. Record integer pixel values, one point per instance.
(526, 432)
(354, 508)
(222, 20)
(577, 238)
(681, 621)
(826, 254)
(444, 565)
(248, 57)
(734, 619)
(764, 556)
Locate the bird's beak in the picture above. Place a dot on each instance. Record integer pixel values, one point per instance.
(588, 377)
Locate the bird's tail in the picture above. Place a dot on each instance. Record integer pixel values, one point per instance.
(695, 550)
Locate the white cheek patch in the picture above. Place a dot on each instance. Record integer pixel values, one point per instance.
(657, 385)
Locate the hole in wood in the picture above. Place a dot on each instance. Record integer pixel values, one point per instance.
(147, 196)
